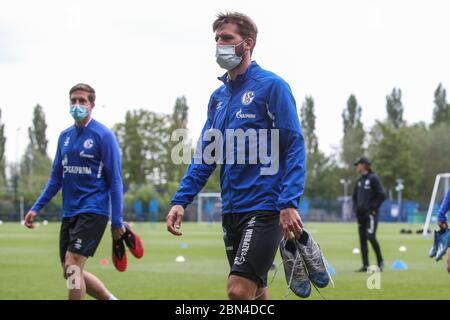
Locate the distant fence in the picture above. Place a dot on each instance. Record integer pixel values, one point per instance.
(9, 211)
(332, 210)
(311, 209)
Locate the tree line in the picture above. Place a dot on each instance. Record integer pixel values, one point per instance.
(413, 152)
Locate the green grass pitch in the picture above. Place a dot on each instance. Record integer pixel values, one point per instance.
(30, 269)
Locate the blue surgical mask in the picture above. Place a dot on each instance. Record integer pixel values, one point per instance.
(78, 112)
(226, 56)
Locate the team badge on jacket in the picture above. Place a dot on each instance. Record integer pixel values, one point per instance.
(247, 97)
(89, 143)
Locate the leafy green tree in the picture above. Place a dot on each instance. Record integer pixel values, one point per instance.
(35, 165)
(130, 140)
(143, 139)
(180, 113)
(392, 154)
(308, 121)
(179, 120)
(441, 113)
(394, 108)
(34, 173)
(320, 169)
(354, 135)
(37, 133)
(431, 148)
(2, 155)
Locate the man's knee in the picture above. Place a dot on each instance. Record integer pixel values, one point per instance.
(72, 270)
(73, 264)
(240, 288)
(237, 292)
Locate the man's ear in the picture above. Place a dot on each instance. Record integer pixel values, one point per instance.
(249, 43)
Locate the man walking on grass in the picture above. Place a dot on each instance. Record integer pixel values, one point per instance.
(87, 167)
(259, 199)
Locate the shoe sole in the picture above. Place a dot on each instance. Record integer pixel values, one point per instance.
(288, 275)
(119, 255)
(133, 242)
(315, 277)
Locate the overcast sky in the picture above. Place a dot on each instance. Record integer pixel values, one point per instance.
(143, 54)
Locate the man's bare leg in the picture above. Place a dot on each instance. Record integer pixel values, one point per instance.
(95, 288)
(90, 284)
(262, 294)
(240, 288)
(448, 260)
(73, 272)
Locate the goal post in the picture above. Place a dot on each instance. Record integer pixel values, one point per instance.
(208, 204)
(442, 181)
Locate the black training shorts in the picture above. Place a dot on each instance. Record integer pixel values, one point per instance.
(251, 243)
(81, 234)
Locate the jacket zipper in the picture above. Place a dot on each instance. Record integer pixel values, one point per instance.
(227, 115)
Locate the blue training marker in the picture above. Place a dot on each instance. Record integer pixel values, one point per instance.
(184, 245)
(330, 268)
(399, 265)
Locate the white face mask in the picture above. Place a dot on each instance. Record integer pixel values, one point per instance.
(226, 56)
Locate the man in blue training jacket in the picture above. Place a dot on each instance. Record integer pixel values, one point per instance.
(87, 167)
(258, 197)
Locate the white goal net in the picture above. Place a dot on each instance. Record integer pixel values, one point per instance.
(441, 185)
(209, 207)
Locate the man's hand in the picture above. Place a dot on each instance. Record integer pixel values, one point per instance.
(290, 222)
(174, 219)
(443, 225)
(117, 232)
(29, 218)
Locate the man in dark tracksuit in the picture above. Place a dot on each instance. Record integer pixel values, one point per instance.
(368, 195)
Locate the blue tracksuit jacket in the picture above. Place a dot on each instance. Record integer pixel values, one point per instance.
(87, 166)
(257, 99)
